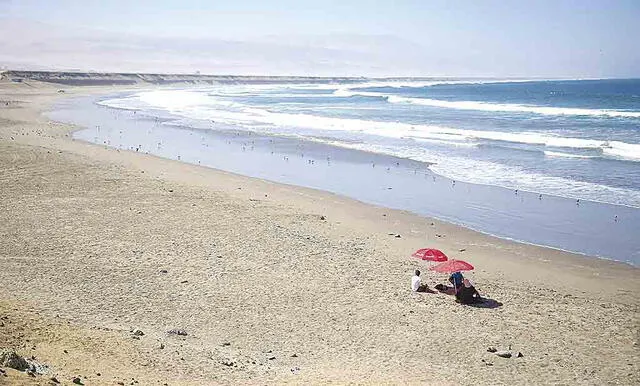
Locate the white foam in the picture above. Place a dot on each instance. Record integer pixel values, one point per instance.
(121, 103)
(566, 155)
(623, 150)
(512, 108)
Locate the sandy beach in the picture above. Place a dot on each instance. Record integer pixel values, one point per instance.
(106, 254)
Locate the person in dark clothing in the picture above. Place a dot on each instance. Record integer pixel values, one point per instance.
(467, 294)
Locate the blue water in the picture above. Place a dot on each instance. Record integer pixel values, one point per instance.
(578, 141)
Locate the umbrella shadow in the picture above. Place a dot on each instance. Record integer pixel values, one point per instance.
(486, 303)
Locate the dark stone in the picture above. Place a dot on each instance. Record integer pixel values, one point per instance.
(322, 218)
(294, 356)
(492, 349)
(54, 380)
(226, 344)
(271, 358)
(163, 271)
(177, 332)
(519, 355)
(9, 358)
(398, 236)
(77, 381)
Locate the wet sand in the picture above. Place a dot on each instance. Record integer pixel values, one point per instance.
(96, 243)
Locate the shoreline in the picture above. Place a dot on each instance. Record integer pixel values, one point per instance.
(104, 223)
(493, 212)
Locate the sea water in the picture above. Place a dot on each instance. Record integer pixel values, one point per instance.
(578, 140)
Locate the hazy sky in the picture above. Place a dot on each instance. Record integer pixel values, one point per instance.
(541, 38)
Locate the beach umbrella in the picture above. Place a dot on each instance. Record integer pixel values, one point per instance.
(452, 266)
(430, 254)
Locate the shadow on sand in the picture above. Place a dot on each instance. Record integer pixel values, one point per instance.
(486, 303)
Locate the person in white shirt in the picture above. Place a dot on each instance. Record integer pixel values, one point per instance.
(416, 283)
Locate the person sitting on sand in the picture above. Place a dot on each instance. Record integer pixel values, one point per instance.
(416, 283)
(467, 293)
(456, 279)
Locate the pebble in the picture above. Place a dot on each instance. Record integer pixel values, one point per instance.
(54, 380)
(228, 362)
(177, 332)
(503, 354)
(77, 381)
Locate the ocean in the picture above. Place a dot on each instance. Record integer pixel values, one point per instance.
(556, 142)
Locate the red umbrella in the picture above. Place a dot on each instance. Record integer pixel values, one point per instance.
(452, 266)
(430, 254)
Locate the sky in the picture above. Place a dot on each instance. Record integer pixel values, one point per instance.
(474, 38)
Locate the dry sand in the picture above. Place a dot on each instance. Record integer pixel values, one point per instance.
(266, 290)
